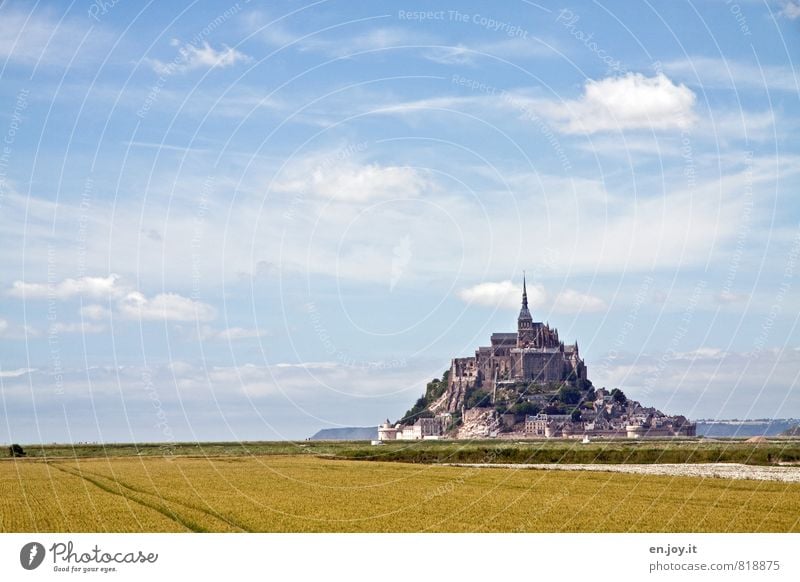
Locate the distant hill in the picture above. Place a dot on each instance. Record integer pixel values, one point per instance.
(350, 433)
(744, 428)
(793, 431)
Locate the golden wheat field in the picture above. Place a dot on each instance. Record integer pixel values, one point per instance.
(311, 494)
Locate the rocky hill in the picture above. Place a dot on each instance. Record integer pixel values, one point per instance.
(504, 409)
(531, 409)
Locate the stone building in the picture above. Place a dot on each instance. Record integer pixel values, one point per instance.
(533, 354)
(387, 432)
(545, 424)
(423, 428)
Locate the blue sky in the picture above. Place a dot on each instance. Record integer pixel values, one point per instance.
(245, 221)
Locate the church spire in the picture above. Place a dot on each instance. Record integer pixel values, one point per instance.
(524, 314)
(524, 292)
(524, 321)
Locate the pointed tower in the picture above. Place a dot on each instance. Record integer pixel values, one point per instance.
(524, 321)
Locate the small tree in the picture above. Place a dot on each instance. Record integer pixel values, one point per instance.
(525, 409)
(16, 451)
(619, 397)
(554, 408)
(477, 397)
(569, 395)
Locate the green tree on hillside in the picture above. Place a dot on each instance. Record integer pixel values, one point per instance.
(433, 391)
(569, 394)
(477, 397)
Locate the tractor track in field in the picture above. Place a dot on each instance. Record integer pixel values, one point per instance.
(150, 500)
(207, 510)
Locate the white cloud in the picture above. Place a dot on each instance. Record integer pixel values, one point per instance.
(95, 311)
(628, 102)
(704, 353)
(130, 304)
(164, 306)
(791, 10)
(191, 57)
(352, 182)
(16, 373)
(230, 333)
(235, 333)
(180, 368)
(94, 287)
(632, 101)
(729, 297)
(601, 228)
(12, 331)
(310, 365)
(502, 294)
(509, 295)
(571, 301)
(80, 327)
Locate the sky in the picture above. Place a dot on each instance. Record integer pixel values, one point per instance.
(247, 221)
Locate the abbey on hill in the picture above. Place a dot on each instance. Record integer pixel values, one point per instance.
(534, 354)
(527, 384)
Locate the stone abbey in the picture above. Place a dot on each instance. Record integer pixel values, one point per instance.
(524, 385)
(533, 354)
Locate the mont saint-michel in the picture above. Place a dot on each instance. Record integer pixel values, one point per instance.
(527, 384)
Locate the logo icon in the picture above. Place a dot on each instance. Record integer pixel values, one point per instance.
(31, 555)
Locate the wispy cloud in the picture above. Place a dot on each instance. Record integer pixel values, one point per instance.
(229, 333)
(43, 37)
(512, 49)
(331, 178)
(378, 38)
(572, 301)
(191, 57)
(710, 72)
(16, 373)
(339, 40)
(91, 287)
(164, 306)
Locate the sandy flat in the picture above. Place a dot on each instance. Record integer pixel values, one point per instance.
(712, 470)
